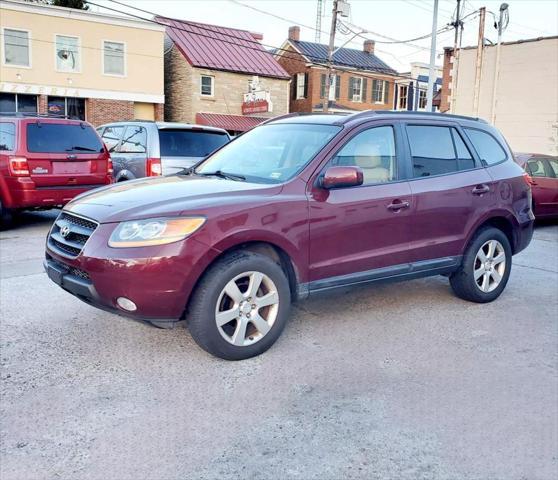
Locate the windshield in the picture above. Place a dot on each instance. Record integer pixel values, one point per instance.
(271, 153)
(190, 143)
(62, 138)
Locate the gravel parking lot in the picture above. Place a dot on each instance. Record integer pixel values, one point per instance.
(397, 381)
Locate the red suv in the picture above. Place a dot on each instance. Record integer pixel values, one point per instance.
(295, 207)
(45, 162)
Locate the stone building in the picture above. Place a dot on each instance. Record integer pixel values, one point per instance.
(221, 77)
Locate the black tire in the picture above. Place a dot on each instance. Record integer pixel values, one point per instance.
(6, 217)
(201, 317)
(462, 281)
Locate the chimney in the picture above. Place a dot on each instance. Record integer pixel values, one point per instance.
(257, 36)
(369, 46)
(294, 33)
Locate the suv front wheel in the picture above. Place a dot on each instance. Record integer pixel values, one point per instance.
(486, 267)
(240, 307)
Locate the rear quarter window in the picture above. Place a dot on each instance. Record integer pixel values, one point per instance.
(62, 138)
(7, 136)
(190, 143)
(487, 147)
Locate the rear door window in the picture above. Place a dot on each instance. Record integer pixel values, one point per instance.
(111, 137)
(7, 136)
(488, 148)
(536, 168)
(134, 140)
(189, 143)
(437, 150)
(62, 138)
(553, 162)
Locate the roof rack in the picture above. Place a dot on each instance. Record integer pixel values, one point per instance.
(366, 113)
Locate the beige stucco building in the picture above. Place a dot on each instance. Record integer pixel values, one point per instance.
(526, 106)
(83, 64)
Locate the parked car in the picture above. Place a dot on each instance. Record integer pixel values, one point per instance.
(45, 162)
(349, 200)
(147, 149)
(543, 172)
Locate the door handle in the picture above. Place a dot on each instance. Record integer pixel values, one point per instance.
(480, 189)
(398, 205)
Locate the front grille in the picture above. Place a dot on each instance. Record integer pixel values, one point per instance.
(78, 272)
(70, 233)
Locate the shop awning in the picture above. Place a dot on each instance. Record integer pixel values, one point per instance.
(236, 123)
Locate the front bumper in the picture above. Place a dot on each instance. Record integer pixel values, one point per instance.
(159, 280)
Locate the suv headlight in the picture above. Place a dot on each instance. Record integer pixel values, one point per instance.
(154, 231)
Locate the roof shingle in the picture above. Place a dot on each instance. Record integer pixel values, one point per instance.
(220, 48)
(344, 57)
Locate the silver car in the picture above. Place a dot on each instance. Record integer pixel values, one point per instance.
(145, 148)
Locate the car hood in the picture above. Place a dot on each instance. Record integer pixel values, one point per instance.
(162, 196)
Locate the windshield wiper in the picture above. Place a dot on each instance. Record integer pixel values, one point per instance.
(83, 149)
(227, 175)
(186, 171)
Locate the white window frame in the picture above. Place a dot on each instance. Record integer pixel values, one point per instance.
(124, 58)
(29, 55)
(78, 70)
(399, 87)
(205, 95)
(359, 95)
(422, 91)
(383, 83)
(332, 87)
(300, 85)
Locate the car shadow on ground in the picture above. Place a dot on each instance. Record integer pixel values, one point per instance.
(31, 218)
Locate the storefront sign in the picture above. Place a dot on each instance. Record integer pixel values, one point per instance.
(256, 102)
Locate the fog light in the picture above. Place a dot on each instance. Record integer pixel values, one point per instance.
(126, 304)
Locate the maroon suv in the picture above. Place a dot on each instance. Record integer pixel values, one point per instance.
(298, 206)
(45, 162)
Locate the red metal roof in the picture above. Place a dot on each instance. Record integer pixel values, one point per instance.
(237, 123)
(220, 48)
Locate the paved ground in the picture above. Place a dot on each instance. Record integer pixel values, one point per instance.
(401, 381)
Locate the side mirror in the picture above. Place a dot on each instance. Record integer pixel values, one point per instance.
(340, 177)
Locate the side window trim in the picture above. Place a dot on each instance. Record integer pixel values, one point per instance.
(400, 174)
(495, 139)
(447, 124)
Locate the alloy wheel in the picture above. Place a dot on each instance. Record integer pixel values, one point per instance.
(490, 266)
(247, 308)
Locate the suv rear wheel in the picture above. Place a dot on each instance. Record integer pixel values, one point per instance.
(240, 307)
(486, 267)
(6, 217)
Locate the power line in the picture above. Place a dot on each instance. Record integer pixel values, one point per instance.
(380, 70)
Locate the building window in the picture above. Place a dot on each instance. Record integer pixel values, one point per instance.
(16, 48)
(67, 54)
(380, 91)
(356, 90)
(114, 60)
(66, 107)
(207, 85)
(422, 99)
(17, 102)
(300, 86)
(334, 87)
(402, 102)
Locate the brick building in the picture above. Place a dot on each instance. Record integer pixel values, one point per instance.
(81, 64)
(221, 77)
(361, 80)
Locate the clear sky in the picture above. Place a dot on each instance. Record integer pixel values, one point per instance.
(397, 19)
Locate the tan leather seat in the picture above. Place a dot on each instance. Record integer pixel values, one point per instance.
(367, 157)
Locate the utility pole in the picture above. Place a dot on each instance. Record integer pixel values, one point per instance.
(432, 69)
(332, 29)
(501, 27)
(478, 70)
(458, 25)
